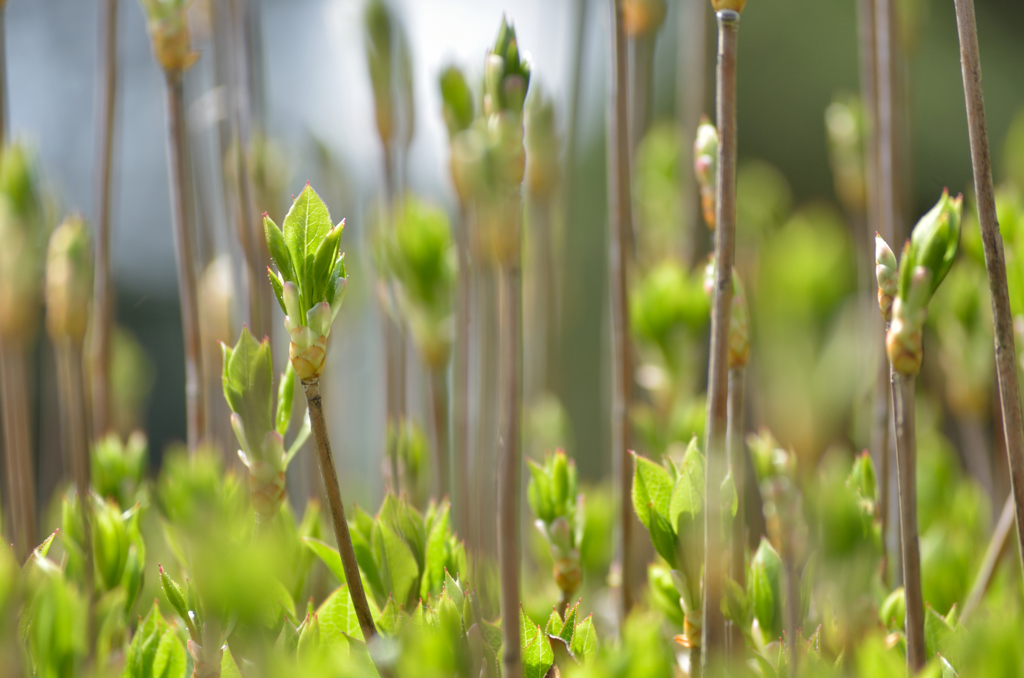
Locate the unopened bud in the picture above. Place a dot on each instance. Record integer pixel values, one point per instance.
(68, 280)
(935, 241)
(739, 325)
(705, 167)
(169, 33)
(642, 17)
(887, 275)
(457, 100)
(904, 341)
(734, 5)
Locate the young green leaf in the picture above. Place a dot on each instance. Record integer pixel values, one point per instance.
(687, 500)
(169, 660)
(554, 626)
(454, 591)
(584, 641)
(395, 561)
(537, 655)
(569, 626)
(305, 226)
(652, 489)
(285, 394)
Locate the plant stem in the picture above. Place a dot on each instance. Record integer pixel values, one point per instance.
(484, 483)
(690, 96)
(510, 463)
(460, 382)
(1006, 354)
(641, 79)
(906, 471)
(329, 477)
(103, 290)
(735, 453)
(72, 403)
(439, 409)
(3, 80)
(21, 482)
(997, 547)
(620, 209)
(717, 414)
(194, 393)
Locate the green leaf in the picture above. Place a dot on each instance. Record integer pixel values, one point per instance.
(279, 254)
(664, 539)
(228, 667)
(491, 634)
(337, 620)
(396, 562)
(285, 395)
(323, 262)
(688, 494)
(305, 227)
(734, 603)
(454, 591)
(169, 660)
(435, 553)
(174, 594)
(539, 492)
(569, 627)
(937, 632)
(652, 489)
(142, 651)
(527, 629)
(584, 641)
(537, 655)
(330, 556)
(389, 619)
(554, 626)
(278, 287)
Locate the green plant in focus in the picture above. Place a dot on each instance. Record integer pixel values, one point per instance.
(559, 512)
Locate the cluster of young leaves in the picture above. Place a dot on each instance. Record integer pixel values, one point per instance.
(558, 506)
(419, 253)
(565, 643)
(669, 501)
(403, 555)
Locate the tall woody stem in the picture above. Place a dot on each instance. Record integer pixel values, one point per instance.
(438, 376)
(509, 465)
(906, 471)
(195, 395)
(1006, 354)
(735, 453)
(21, 482)
(103, 290)
(329, 477)
(713, 631)
(997, 546)
(620, 208)
(460, 382)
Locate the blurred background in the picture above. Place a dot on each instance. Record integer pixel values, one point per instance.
(311, 97)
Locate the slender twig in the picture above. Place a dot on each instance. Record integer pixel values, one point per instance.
(690, 97)
(1006, 354)
(460, 382)
(620, 236)
(906, 472)
(735, 451)
(72, 404)
(438, 376)
(18, 444)
(717, 414)
(329, 477)
(484, 484)
(509, 465)
(3, 79)
(194, 392)
(890, 227)
(994, 553)
(103, 290)
(869, 98)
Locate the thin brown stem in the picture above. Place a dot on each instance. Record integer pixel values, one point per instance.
(880, 444)
(76, 437)
(3, 80)
(332, 490)
(690, 98)
(620, 206)
(997, 547)
(509, 466)
(21, 482)
(195, 395)
(460, 382)
(103, 290)
(906, 471)
(439, 409)
(712, 641)
(484, 483)
(1006, 354)
(886, 66)
(735, 453)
